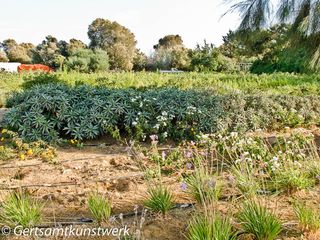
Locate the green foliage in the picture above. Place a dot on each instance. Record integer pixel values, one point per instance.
(309, 218)
(258, 221)
(3, 57)
(169, 53)
(87, 60)
(35, 79)
(82, 112)
(169, 41)
(49, 52)
(159, 199)
(207, 58)
(15, 52)
(291, 59)
(210, 227)
(203, 186)
(11, 146)
(100, 208)
(222, 83)
(139, 61)
(20, 209)
(258, 167)
(117, 40)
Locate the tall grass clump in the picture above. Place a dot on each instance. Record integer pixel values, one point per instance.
(100, 207)
(203, 227)
(159, 199)
(258, 221)
(20, 209)
(309, 218)
(203, 186)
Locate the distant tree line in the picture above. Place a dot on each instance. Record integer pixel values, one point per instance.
(113, 47)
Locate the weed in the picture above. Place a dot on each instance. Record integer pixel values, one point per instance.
(100, 207)
(309, 218)
(20, 209)
(213, 228)
(159, 199)
(258, 221)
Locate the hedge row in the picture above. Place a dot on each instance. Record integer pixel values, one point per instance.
(54, 111)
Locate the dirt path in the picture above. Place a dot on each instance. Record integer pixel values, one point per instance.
(66, 186)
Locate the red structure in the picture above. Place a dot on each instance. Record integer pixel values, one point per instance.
(34, 67)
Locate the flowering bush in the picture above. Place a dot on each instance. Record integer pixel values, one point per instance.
(11, 146)
(48, 112)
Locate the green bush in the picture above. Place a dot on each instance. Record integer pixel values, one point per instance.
(87, 60)
(258, 221)
(210, 227)
(100, 207)
(20, 209)
(51, 111)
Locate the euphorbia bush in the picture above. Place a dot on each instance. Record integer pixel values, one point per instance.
(51, 111)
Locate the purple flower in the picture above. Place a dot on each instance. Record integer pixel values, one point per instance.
(184, 186)
(189, 165)
(212, 183)
(163, 155)
(112, 219)
(188, 154)
(202, 153)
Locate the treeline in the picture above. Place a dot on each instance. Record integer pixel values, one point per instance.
(113, 47)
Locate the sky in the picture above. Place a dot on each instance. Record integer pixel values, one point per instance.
(149, 20)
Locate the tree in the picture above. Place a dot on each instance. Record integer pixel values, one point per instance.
(118, 41)
(250, 45)
(87, 60)
(3, 57)
(170, 52)
(303, 14)
(169, 41)
(50, 52)
(17, 52)
(139, 61)
(74, 45)
(209, 58)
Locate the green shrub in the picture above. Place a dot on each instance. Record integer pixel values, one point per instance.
(99, 207)
(203, 186)
(159, 199)
(206, 227)
(309, 218)
(51, 111)
(258, 221)
(20, 209)
(87, 60)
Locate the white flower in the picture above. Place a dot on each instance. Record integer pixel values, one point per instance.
(233, 134)
(134, 123)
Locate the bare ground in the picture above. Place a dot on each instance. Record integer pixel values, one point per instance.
(65, 187)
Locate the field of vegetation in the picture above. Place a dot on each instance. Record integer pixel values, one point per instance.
(207, 155)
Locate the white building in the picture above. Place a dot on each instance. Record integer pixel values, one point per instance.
(9, 67)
